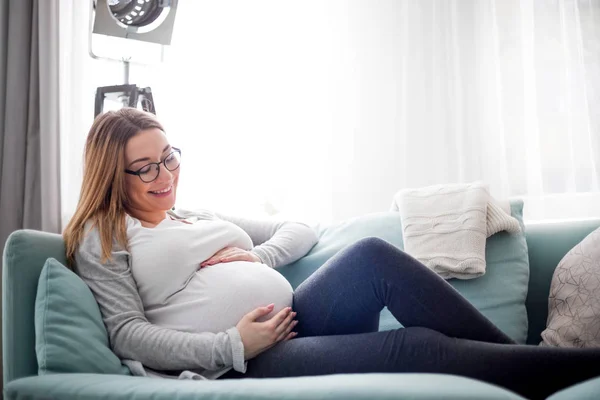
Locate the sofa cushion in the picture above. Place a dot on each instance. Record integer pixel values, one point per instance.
(499, 294)
(587, 390)
(327, 387)
(69, 333)
(385, 225)
(574, 301)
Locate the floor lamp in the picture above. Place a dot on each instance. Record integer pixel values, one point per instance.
(145, 20)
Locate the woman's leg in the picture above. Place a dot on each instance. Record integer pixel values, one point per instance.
(532, 371)
(348, 292)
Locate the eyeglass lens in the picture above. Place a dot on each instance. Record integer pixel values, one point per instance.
(150, 172)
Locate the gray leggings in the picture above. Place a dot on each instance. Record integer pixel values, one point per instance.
(338, 312)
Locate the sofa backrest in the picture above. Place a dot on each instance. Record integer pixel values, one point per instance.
(24, 256)
(547, 244)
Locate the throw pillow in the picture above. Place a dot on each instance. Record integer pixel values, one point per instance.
(69, 333)
(499, 294)
(574, 300)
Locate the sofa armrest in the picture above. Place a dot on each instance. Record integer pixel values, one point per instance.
(357, 386)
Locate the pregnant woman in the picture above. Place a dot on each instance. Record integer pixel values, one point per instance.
(181, 290)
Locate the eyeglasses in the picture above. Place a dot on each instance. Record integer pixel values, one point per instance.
(149, 172)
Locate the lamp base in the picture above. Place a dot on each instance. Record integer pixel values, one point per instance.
(126, 96)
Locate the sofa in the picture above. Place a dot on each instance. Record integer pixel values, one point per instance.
(543, 246)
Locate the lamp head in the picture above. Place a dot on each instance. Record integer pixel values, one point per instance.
(147, 20)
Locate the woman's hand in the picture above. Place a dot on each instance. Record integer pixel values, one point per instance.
(260, 336)
(229, 254)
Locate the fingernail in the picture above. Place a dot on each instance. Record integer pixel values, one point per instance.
(295, 313)
(271, 305)
(295, 322)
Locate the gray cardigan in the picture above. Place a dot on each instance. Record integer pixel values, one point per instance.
(132, 337)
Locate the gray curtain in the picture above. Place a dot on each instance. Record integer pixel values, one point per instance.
(29, 103)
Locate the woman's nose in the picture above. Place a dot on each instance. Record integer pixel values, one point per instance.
(165, 175)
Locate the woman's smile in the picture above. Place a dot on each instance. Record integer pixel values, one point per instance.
(162, 193)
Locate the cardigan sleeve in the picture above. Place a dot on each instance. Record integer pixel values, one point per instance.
(276, 243)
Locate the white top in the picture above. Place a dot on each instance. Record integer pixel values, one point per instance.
(177, 294)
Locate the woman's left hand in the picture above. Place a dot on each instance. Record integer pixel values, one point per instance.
(229, 254)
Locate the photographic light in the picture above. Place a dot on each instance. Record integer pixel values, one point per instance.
(146, 20)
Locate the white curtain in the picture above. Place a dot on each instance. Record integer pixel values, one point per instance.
(322, 110)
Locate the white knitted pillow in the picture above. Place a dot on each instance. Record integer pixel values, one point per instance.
(446, 226)
(574, 301)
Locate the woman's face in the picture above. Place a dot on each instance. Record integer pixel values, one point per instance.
(150, 146)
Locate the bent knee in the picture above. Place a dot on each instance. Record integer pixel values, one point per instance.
(374, 245)
(372, 242)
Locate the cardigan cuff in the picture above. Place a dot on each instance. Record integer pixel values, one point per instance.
(264, 257)
(237, 350)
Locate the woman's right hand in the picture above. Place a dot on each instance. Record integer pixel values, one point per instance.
(260, 336)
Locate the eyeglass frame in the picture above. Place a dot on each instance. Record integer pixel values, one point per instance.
(163, 161)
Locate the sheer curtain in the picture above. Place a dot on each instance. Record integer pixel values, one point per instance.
(321, 111)
(502, 91)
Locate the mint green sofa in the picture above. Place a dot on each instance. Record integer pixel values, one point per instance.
(26, 251)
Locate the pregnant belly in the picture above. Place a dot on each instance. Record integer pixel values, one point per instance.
(218, 296)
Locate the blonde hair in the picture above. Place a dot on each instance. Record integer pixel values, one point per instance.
(103, 198)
